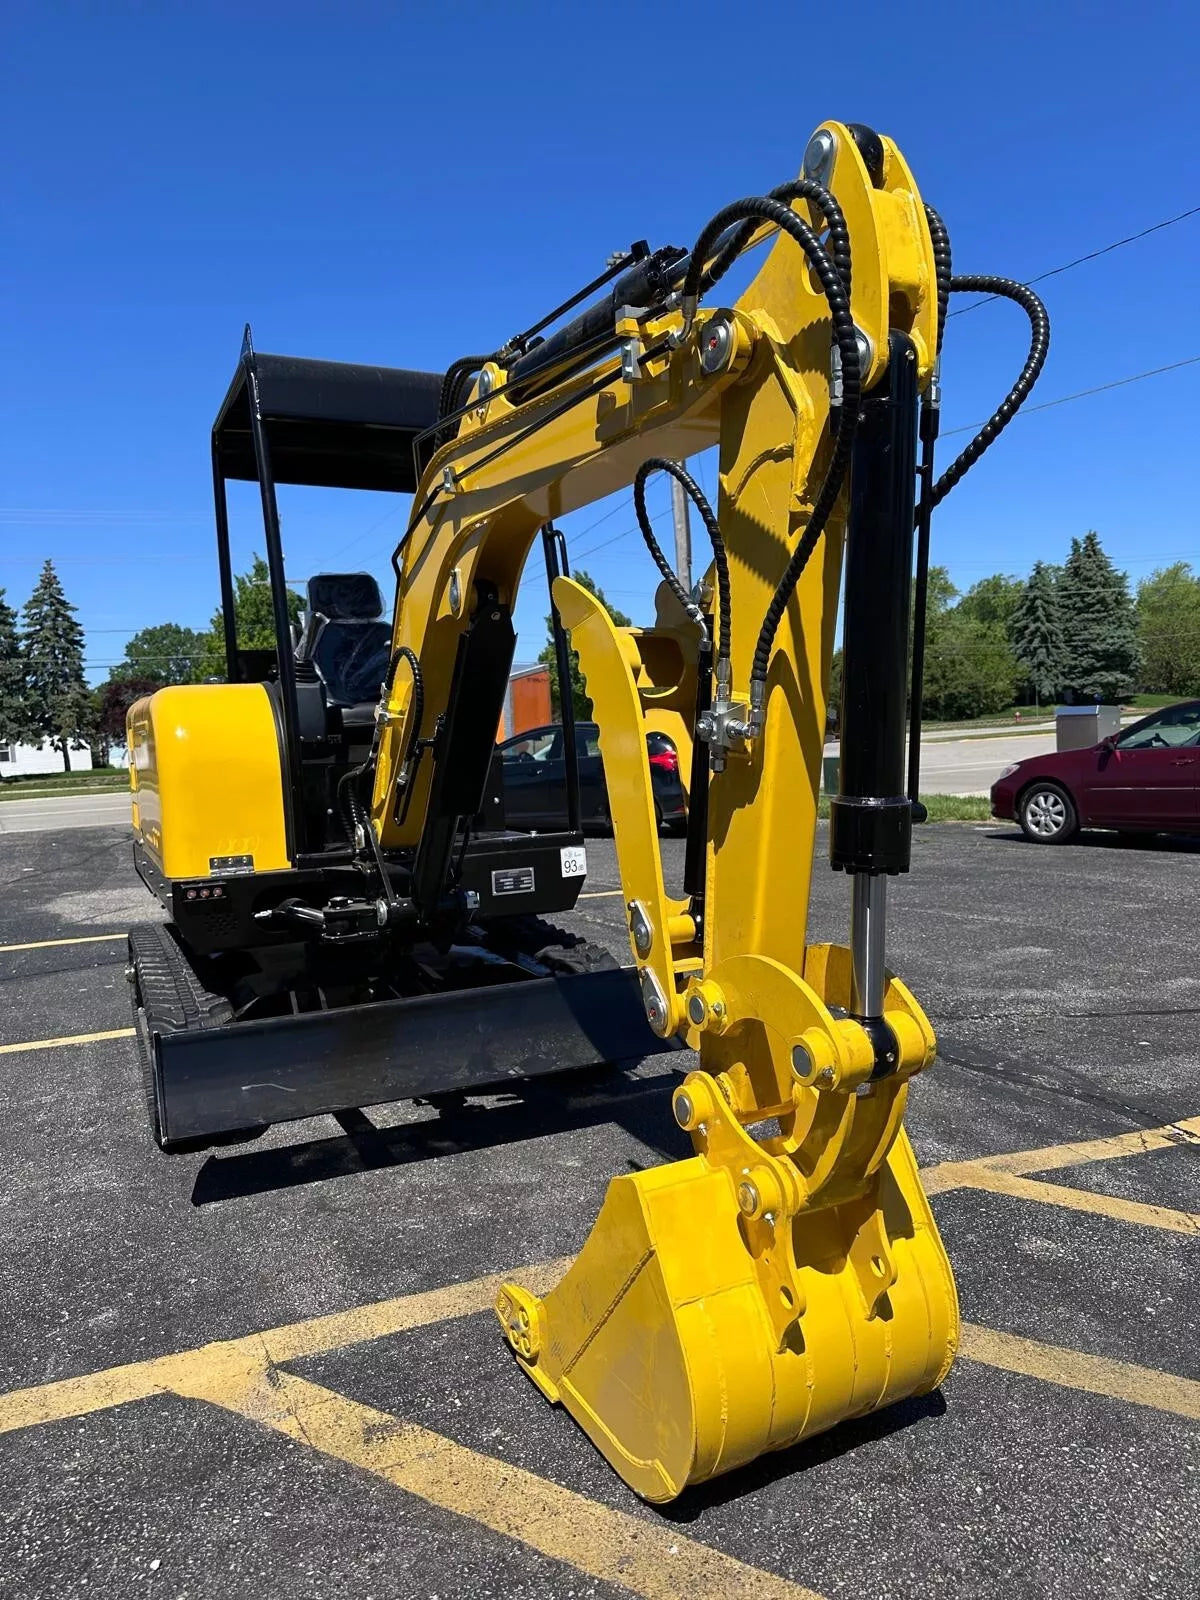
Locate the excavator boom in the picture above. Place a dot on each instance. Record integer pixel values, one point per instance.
(790, 1274)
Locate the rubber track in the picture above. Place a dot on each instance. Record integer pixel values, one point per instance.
(554, 947)
(174, 999)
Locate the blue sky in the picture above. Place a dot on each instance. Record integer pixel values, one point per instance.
(402, 184)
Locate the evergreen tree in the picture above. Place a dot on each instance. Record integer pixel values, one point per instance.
(1099, 635)
(58, 705)
(579, 695)
(13, 715)
(1168, 623)
(1036, 630)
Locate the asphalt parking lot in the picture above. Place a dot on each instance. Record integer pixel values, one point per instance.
(361, 1429)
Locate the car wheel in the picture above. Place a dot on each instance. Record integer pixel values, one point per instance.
(1047, 814)
(658, 817)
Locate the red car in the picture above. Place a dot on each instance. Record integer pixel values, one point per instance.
(1145, 779)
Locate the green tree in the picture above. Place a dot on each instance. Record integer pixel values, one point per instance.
(13, 713)
(1036, 632)
(167, 653)
(255, 620)
(970, 669)
(1099, 634)
(58, 706)
(579, 695)
(992, 600)
(1168, 630)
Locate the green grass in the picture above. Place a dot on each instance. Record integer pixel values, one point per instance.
(1151, 702)
(996, 719)
(34, 786)
(943, 807)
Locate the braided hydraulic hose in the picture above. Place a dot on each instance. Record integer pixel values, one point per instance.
(354, 810)
(457, 377)
(721, 561)
(930, 418)
(846, 343)
(941, 267)
(1039, 344)
(794, 189)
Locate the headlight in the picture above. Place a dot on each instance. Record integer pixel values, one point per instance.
(1008, 771)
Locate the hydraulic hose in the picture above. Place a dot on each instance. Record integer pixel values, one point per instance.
(353, 808)
(794, 189)
(458, 374)
(930, 419)
(933, 493)
(1039, 344)
(846, 343)
(720, 559)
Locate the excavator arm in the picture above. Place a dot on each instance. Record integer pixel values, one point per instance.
(789, 1274)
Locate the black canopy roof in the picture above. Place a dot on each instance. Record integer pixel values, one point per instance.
(328, 423)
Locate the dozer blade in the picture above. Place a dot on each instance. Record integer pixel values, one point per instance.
(682, 1358)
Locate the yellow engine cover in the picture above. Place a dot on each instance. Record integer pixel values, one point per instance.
(659, 1343)
(206, 773)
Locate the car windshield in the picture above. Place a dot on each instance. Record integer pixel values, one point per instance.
(1176, 726)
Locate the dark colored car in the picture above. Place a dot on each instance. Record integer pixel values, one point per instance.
(530, 788)
(1145, 779)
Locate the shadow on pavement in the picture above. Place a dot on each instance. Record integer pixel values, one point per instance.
(641, 1106)
(1101, 839)
(770, 1468)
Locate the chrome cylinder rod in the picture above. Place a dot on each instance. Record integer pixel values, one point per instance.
(868, 932)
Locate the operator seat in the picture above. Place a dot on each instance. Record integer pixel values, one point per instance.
(346, 642)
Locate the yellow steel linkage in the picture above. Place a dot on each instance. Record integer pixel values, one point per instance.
(789, 1274)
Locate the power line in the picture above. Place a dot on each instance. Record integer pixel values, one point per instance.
(1117, 383)
(1092, 255)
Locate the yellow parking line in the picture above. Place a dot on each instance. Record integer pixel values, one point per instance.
(1049, 1158)
(599, 894)
(645, 1557)
(1101, 1205)
(1139, 1142)
(70, 1038)
(1072, 1369)
(97, 1391)
(49, 944)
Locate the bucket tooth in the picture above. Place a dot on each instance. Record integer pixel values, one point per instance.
(659, 1343)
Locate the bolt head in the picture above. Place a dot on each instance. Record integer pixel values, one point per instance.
(802, 1062)
(818, 158)
(748, 1198)
(683, 1109)
(716, 345)
(697, 1010)
(825, 1077)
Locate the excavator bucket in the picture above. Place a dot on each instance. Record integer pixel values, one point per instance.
(684, 1350)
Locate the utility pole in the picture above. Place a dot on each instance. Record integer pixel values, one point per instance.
(683, 534)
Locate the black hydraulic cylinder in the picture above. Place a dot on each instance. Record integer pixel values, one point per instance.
(554, 547)
(645, 284)
(871, 818)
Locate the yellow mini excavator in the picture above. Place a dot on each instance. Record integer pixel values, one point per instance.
(351, 922)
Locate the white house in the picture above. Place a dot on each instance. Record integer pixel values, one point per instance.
(20, 760)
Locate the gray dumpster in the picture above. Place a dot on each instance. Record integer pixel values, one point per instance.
(1079, 727)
